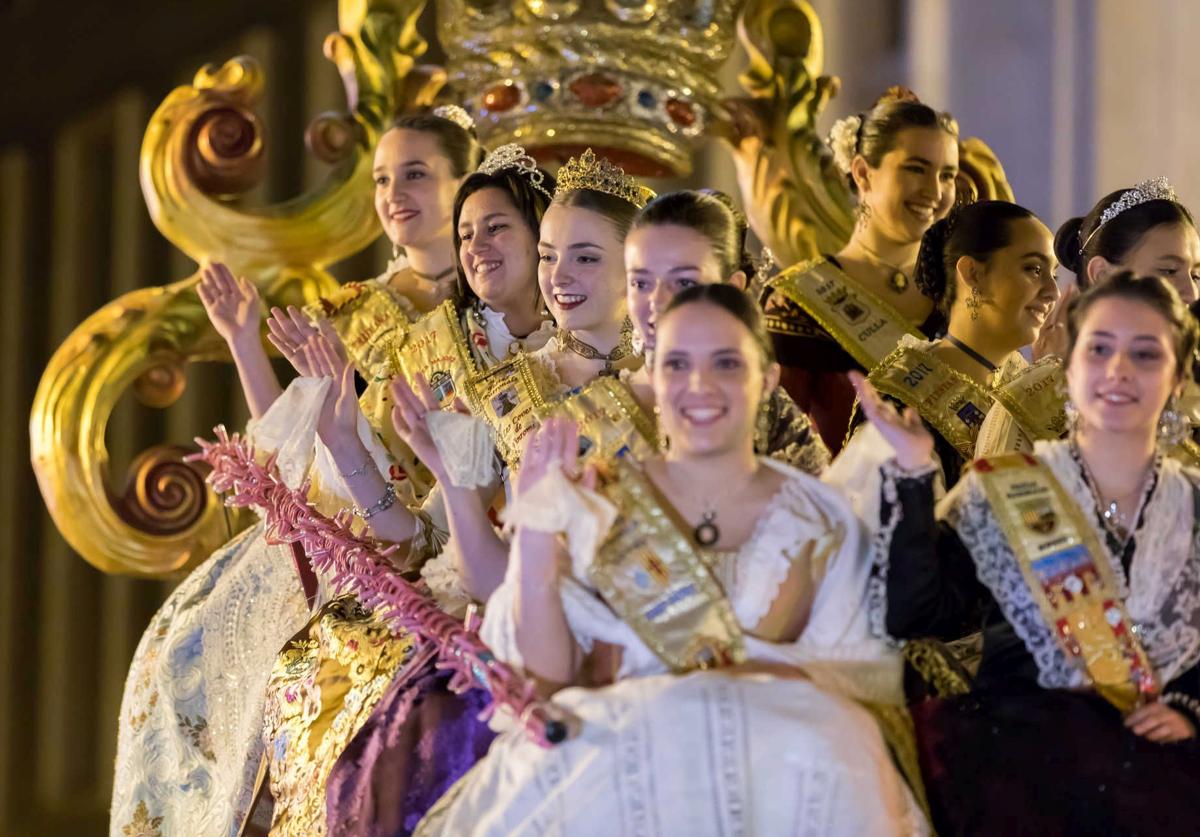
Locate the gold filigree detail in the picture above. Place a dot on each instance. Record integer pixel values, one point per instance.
(587, 171)
(142, 824)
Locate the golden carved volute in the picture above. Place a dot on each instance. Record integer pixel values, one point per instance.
(203, 145)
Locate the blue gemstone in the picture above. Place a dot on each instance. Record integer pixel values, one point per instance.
(646, 99)
(543, 91)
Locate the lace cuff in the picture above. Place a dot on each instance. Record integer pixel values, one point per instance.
(466, 446)
(440, 574)
(555, 504)
(1186, 704)
(890, 514)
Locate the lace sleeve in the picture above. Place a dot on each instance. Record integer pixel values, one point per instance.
(923, 581)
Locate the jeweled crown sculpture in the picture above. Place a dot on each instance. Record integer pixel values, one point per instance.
(589, 172)
(634, 79)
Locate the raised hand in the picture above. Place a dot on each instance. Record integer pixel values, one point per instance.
(231, 302)
(411, 405)
(555, 444)
(289, 331)
(905, 432)
(338, 423)
(1052, 337)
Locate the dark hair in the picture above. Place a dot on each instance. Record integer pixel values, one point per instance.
(710, 213)
(460, 145)
(529, 202)
(617, 210)
(733, 300)
(977, 230)
(880, 126)
(1080, 239)
(1148, 290)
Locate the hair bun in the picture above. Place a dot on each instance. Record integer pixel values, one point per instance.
(898, 93)
(930, 272)
(1068, 245)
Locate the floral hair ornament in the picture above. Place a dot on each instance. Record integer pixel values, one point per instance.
(512, 156)
(457, 115)
(843, 141)
(1158, 189)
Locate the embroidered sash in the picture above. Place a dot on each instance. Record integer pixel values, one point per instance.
(1187, 452)
(1069, 576)
(867, 327)
(514, 397)
(1034, 398)
(436, 346)
(946, 398)
(652, 576)
(370, 320)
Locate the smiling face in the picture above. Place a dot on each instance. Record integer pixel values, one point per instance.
(1018, 284)
(581, 268)
(708, 380)
(913, 185)
(660, 261)
(414, 188)
(1123, 368)
(497, 250)
(1171, 251)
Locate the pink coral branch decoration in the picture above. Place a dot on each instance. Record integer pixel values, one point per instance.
(360, 565)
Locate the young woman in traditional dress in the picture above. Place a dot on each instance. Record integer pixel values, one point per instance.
(346, 661)
(848, 310)
(1084, 561)
(702, 621)
(683, 239)
(1144, 229)
(189, 740)
(991, 267)
(581, 275)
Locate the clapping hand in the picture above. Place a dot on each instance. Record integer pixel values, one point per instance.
(555, 444)
(232, 304)
(411, 406)
(904, 431)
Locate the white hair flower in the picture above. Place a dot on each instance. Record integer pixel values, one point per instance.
(843, 141)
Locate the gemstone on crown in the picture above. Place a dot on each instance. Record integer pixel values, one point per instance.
(634, 79)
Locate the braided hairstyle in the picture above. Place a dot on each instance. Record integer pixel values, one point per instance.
(977, 230)
(709, 213)
(1081, 239)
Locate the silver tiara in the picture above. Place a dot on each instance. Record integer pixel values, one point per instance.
(513, 156)
(1158, 189)
(456, 115)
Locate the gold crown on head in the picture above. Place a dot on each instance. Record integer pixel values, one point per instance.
(587, 171)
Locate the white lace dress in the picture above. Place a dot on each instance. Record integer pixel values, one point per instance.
(711, 752)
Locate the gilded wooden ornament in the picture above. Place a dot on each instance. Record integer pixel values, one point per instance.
(204, 143)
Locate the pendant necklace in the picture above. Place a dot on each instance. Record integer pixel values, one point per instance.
(706, 533)
(897, 281)
(1118, 524)
(971, 353)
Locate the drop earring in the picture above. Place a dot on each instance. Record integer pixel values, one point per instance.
(1172, 425)
(974, 303)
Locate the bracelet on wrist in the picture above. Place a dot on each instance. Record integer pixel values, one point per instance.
(381, 505)
(1189, 705)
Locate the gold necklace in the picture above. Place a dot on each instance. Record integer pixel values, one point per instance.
(898, 281)
(587, 351)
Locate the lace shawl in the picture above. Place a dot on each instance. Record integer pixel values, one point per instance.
(1162, 592)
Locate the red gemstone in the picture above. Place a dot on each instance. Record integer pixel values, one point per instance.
(681, 112)
(502, 97)
(595, 89)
